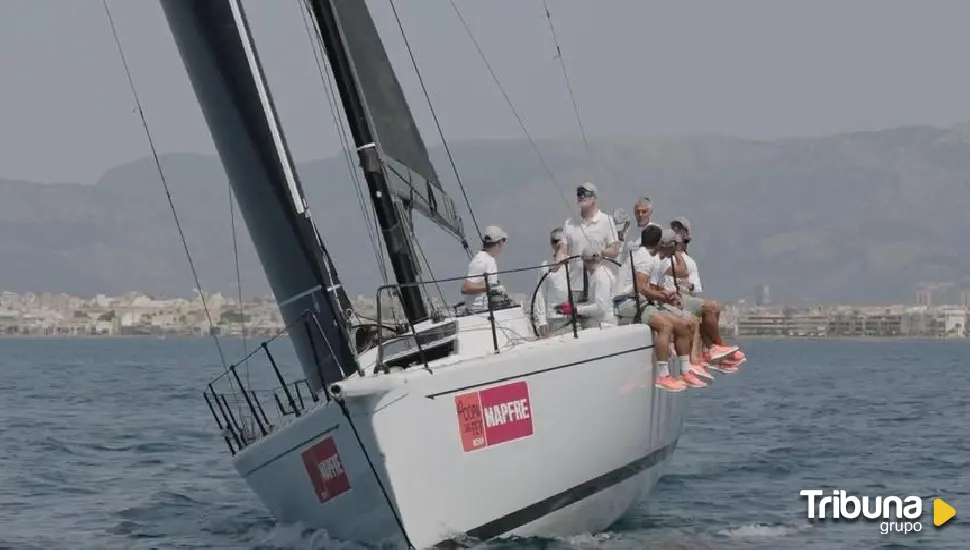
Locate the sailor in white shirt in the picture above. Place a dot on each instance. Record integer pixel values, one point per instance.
(552, 288)
(688, 285)
(597, 310)
(693, 283)
(642, 211)
(483, 266)
(592, 227)
(722, 357)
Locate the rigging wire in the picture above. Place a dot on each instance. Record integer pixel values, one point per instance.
(320, 59)
(161, 176)
(508, 101)
(239, 291)
(594, 167)
(441, 134)
(417, 243)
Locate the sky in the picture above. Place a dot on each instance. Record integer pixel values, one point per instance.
(751, 68)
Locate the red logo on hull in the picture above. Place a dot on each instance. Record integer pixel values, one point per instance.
(326, 471)
(493, 416)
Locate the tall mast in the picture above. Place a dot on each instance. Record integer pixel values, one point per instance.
(403, 261)
(215, 44)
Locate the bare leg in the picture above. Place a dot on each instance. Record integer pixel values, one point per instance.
(682, 337)
(664, 328)
(709, 331)
(697, 347)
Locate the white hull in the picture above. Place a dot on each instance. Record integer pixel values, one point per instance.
(601, 434)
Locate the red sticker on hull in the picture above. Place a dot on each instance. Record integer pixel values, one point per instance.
(326, 471)
(493, 416)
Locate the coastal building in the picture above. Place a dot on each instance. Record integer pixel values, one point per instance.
(843, 321)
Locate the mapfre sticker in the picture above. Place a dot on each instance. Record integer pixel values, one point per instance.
(493, 416)
(326, 471)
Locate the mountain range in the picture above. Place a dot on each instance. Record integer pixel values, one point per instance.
(863, 217)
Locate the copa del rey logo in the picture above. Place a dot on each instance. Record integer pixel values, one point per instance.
(326, 471)
(496, 415)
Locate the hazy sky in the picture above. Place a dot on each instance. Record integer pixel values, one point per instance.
(751, 68)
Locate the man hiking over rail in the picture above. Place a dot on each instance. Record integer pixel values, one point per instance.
(645, 262)
(721, 357)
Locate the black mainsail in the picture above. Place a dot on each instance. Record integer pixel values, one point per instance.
(395, 159)
(216, 47)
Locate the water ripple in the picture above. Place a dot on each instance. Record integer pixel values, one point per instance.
(108, 446)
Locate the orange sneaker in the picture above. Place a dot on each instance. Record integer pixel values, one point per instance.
(716, 353)
(670, 383)
(689, 379)
(724, 369)
(700, 371)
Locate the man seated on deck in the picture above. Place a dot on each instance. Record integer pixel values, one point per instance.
(482, 278)
(552, 288)
(597, 310)
(687, 282)
(691, 363)
(591, 227)
(645, 264)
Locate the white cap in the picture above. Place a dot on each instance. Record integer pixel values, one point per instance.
(668, 238)
(586, 190)
(493, 234)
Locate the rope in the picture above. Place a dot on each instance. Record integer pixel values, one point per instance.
(319, 59)
(161, 176)
(373, 469)
(508, 101)
(441, 134)
(239, 292)
(562, 63)
(427, 262)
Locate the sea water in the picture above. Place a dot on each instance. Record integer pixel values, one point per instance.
(107, 444)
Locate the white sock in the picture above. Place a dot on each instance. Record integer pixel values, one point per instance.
(662, 369)
(684, 364)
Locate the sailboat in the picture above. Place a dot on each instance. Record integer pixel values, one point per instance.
(454, 425)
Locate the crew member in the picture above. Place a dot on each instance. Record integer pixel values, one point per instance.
(645, 264)
(482, 278)
(721, 357)
(553, 288)
(591, 227)
(642, 211)
(597, 311)
(684, 305)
